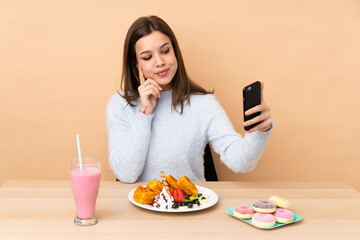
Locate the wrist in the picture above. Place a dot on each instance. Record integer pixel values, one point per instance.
(143, 110)
(146, 110)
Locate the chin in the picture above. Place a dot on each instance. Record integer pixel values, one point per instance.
(164, 82)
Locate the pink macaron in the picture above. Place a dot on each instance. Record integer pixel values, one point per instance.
(243, 211)
(263, 220)
(283, 215)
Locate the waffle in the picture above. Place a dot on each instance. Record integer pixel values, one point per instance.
(172, 182)
(155, 185)
(187, 186)
(144, 195)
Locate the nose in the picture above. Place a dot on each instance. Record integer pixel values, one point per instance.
(159, 60)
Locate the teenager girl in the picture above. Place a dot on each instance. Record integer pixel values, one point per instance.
(162, 120)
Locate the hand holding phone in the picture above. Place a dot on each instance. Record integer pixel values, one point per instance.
(258, 117)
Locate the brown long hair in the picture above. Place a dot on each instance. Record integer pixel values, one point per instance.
(182, 85)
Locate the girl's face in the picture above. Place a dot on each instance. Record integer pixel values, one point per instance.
(155, 54)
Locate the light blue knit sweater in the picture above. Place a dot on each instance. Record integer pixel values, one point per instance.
(140, 146)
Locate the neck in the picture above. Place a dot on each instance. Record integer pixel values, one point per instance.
(166, 87)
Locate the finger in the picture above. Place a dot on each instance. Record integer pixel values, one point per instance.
(151, 92)
(266, 125)
(257, 108)
(141, 74)
(263, 126)
(153, 82)
(254, 120)
(252, 130)
(145, 89)
(148, 85)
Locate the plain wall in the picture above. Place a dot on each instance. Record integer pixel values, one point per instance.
(60, 61)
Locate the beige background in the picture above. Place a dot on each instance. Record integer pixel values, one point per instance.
(60, 61)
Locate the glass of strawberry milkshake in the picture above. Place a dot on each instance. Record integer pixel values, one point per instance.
(85, 182)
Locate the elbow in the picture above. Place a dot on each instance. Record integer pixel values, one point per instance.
(123, 177)
(122, 173)
(244, 167)
(125, 180)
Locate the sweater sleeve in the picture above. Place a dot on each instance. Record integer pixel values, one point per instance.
(129, 134)
(238, 153)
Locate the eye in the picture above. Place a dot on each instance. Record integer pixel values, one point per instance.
(147, 58)
(166, 50)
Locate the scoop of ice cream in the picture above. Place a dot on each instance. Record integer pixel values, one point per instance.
(163, 200)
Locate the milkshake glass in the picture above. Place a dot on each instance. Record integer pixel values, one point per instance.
(85, 186)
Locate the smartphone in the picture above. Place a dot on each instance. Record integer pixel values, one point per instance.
(251, 98)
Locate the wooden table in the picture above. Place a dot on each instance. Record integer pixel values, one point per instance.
(45, 210)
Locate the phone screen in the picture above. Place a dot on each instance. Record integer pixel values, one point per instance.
(251, 98)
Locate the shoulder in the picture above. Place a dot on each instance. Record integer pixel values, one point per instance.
(201, 100)
(118, 102)
(205, 105)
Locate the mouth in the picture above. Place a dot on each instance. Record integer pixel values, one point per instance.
(163, 72)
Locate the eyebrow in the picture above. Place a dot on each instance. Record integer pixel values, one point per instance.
(147, 51)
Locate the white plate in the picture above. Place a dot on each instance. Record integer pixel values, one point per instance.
(213, 199)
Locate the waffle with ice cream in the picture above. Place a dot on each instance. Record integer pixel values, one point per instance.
(164, 200)
(159, 193)
(148, 194)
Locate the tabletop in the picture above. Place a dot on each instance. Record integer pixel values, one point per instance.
(46, 209)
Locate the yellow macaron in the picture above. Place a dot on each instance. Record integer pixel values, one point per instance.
(280, 202)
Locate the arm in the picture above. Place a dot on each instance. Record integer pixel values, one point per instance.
(129, 130)
(129, 134)
(240, 154)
